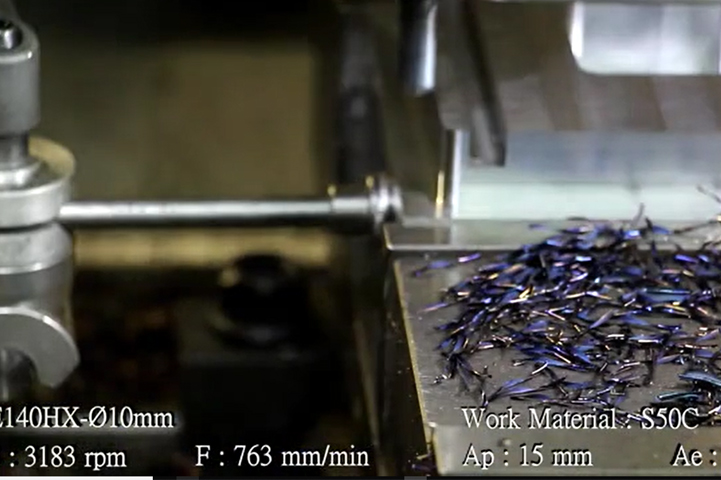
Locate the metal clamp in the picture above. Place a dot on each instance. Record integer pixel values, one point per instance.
(35, 251)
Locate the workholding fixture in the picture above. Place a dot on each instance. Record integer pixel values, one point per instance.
(35, 252)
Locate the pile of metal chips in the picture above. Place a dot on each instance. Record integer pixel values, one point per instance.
(594, 312)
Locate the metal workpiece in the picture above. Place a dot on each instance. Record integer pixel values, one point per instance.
(421, 411)
(418, 49)
(35, 286)
(379, 201)
(210, 213)
(424, 411)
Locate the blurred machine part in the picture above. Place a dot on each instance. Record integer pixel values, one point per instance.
(35, 249)
(262, 336)
(35, 252)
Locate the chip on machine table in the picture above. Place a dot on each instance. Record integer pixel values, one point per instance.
(540, 112)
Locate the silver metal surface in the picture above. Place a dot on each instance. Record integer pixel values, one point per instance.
(15, 153)
(572, 143)
(35, 285)
(418, 234)
(35, 252)
(32, 194)
(34, 175)
(646, 39)
(386, 200)
(195, 213)
(20, 83)
(414, 411)
(589, 143)
(378, 202)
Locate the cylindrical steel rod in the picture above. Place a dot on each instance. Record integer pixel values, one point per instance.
(196, 213)
(381, 202)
